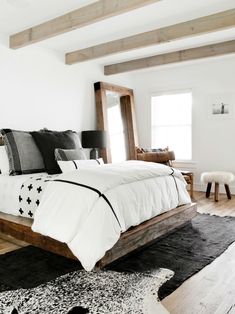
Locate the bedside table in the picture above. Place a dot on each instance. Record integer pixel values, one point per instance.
(188, 176)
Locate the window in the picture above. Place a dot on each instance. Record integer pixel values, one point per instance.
(172, 123)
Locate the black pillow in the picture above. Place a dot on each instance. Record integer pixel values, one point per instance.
(48, 141)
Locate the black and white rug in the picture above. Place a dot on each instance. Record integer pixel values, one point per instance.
(40, 278)
(100, 292)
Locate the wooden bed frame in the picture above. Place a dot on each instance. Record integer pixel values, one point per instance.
(134, 238)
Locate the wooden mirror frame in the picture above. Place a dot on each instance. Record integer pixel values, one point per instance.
(128, 117)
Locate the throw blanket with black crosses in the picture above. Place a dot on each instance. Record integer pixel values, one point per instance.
(31, 193)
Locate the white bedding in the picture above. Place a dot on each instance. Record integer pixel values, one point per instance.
(82, 218)
(9, 192)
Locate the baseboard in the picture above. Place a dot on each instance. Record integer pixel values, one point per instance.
(202, 187)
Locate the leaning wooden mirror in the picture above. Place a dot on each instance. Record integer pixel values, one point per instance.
(116, 115)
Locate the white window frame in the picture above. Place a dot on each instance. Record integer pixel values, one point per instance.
(173, 92)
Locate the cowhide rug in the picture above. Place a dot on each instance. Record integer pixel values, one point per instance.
(101, 292)
(129, 285)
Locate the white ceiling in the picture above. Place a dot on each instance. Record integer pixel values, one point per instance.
(16, 15)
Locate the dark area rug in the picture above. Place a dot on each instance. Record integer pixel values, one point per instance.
(185, 251)
(29, 267)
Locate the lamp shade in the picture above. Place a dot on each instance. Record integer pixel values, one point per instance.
(94, 139)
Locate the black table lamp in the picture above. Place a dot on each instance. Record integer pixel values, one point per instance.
(94, 139)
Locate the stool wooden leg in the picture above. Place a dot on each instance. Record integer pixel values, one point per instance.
(208, 189)
(227, 191)
(216, 191)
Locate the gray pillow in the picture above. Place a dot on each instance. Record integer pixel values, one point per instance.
(69, 154)
(22, 151)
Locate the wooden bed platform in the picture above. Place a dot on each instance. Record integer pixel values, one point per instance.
(134, 238)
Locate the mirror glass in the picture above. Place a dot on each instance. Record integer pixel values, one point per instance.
(115, 127)
(116, 115)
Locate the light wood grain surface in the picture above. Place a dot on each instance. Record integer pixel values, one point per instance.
(212, 50)
(203, 25)
(212, 290)
(8, 243)
(81, 17)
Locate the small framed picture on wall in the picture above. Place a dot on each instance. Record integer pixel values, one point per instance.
(221, 110)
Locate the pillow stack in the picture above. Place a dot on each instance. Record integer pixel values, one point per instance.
(32, 152)
(48, 141)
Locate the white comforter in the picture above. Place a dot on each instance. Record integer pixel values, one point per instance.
(82, 218)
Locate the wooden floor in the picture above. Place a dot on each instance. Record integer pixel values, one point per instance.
(8, 244)
(211, 291)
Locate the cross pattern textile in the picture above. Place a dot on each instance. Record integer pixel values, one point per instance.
(31, 193)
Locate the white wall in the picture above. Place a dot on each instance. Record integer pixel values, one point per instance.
(211, 81)
(38, 90)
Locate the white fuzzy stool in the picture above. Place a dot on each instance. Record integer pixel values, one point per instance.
(217, 177)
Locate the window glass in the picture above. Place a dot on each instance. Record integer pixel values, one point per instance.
(172, 123)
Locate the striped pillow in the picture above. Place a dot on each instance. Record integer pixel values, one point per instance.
(23, 154)
(69, 154)
(67, 166)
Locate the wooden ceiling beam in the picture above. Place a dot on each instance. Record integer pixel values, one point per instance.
(191, 28)
(213, 50)
(84, 16)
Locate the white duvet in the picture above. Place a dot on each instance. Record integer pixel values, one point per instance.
(90, 221)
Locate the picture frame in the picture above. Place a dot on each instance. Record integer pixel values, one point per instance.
(220, 110)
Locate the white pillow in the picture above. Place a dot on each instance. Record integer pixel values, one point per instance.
(70, 165)
(4, 162)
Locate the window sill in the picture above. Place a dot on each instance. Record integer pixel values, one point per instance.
(185, 164)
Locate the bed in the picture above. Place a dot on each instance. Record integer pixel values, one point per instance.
(95, 214)
(132, 238)
(136, 237)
